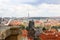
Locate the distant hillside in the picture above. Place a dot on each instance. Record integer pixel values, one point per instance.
(32, 18)
(44, 18)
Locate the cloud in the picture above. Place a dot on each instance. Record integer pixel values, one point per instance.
(50, 9)
(53, 1)
(22, 1)
(21, 10)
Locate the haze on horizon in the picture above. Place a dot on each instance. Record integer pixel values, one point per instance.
(35, 8)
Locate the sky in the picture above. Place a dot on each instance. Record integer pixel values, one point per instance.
(35, 8)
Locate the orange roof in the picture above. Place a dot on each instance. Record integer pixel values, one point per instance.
(47, 24)
(38, 22)
(15, 23)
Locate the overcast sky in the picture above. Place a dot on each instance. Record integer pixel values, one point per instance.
(36, 8)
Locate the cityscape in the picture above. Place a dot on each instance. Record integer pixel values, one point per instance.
(29, 19)
(14, 26)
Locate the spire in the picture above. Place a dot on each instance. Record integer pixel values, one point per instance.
(28, 14)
